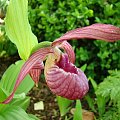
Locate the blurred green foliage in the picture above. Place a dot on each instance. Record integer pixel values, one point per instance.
(6, 47)
(52, 18)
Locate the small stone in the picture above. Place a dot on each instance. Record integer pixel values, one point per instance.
(39, 106)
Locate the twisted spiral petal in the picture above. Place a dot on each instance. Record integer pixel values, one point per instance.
(105, 32)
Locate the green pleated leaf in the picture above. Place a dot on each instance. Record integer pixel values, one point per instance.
(33, 117)
(18, 28)
(15, 113)
(9, 78)
(2, 97)
(63, 104)
(2, 94)
(23, 103)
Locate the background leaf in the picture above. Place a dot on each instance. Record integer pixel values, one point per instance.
(63, 104)
(18, 28)
(100, 100)
(2, 97)
(83, 68)
(78, 111)
(23, 103)
(7, 83)
(8, 80)
(33, 117)
(94, 84)
(15, 113)
(110, 87)
(90, 102)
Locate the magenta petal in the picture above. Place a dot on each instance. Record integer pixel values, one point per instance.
(66, 80)
(36, 71)
(69, 50)
(36, 57)
(105, 32)
(69, 85)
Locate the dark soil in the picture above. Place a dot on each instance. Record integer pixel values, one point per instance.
(5, 62)
(42, 93)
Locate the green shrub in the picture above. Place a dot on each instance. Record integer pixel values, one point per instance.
(49, 18)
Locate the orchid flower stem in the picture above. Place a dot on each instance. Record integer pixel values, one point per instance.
(78, 111)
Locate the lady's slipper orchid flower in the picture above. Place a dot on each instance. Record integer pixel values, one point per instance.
(62, 76)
